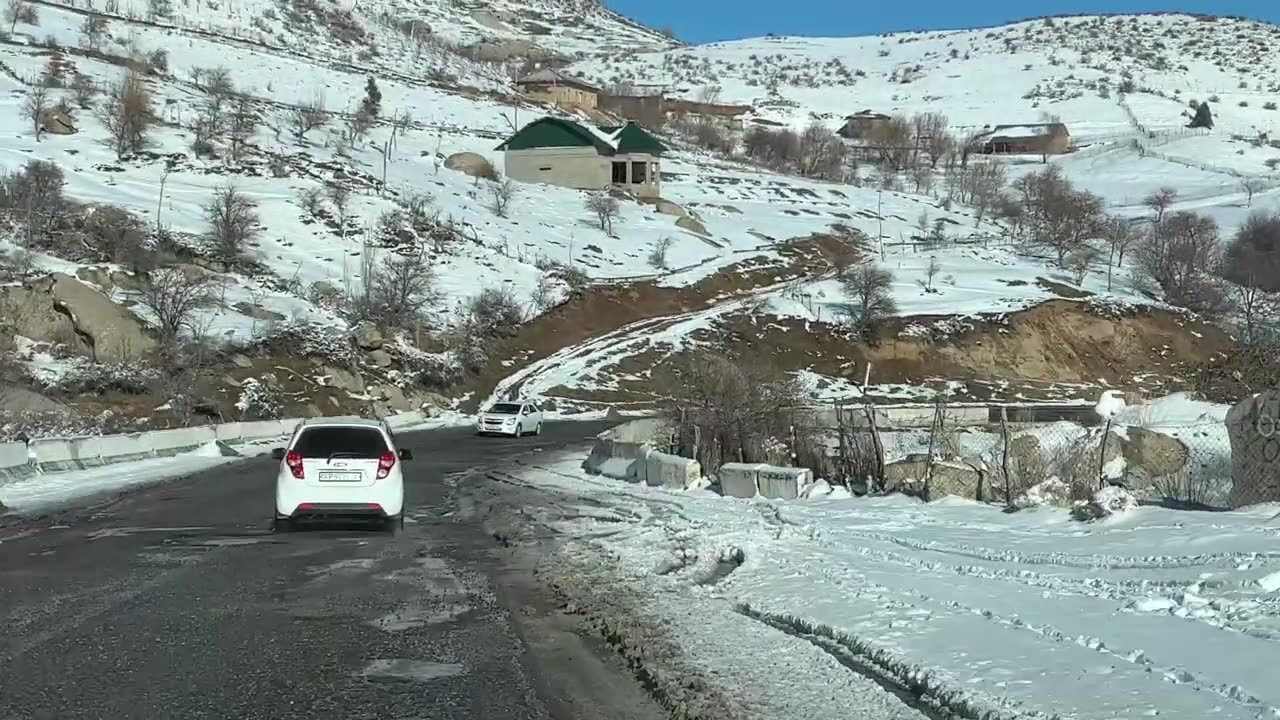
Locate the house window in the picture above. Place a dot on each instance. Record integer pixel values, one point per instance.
(620, 173)
(638, 172)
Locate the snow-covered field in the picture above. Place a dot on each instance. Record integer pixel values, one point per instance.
(1148, 613)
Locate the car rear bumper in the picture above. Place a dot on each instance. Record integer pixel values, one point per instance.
(382, 499)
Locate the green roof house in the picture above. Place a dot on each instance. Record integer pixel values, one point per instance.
(561, 152)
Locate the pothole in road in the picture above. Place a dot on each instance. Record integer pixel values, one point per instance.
(406, 670)
(402, 620)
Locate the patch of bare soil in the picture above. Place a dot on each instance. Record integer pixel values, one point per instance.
(603, 309)
(1055, 350)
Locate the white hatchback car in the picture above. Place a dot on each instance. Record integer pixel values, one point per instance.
(340, 467)
(510, 418)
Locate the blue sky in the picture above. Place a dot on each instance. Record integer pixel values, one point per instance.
(703, 21)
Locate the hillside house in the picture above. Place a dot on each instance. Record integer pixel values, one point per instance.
(1031, 139)
(559, 88)
(561, 152)
(859, 126)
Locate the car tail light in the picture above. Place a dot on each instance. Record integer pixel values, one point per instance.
(385, 463)
(294, 461)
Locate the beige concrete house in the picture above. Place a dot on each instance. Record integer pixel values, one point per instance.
(860, 126)
(561, 152)
(558, 88)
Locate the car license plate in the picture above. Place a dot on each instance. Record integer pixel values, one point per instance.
(341, 476)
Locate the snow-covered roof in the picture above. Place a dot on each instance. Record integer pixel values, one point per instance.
(553, 76)
(1028, 130)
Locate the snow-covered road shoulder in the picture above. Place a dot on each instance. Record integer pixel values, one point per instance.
(952, 605)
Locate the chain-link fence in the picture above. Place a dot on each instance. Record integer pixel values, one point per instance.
(1184, 464)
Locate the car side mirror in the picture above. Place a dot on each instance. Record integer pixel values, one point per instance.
(277, 453)
(406, 454)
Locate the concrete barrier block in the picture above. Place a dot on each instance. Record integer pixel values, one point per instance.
(783, 483)
(229, 432)
(601, 452)
(644, 430)
(13, 455)
(262, 429)
(626, 461)
(123, 448)
(406, 419)
(172, 442)
(55, 454)
(740, 480)
(672, 471)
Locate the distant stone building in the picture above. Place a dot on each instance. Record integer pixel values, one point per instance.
(559, 88)
(561, 152)
(859, 126)
(1030, 139)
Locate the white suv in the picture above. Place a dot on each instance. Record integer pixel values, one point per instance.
(340, 467)
(511, 418)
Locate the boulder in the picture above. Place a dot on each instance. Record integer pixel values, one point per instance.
(342, 379)
(693, 226)
(1050, 492)
(57, 123)
(257, 312)
(948, 478)
(368, 337)
(396, 399)
(381, 358)
(1105, 502)
(470, 163)
(666, 207)
(1150, 456)
(62, 309)
(17, 399)
(1253, 426)
(241, 361)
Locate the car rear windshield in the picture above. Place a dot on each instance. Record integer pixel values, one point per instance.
(323, 442)
(505, 409)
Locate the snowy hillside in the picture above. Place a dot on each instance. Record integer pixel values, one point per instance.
(1114, 81)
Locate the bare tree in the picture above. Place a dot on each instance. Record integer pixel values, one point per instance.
(1057, 215)
(126, 113)
(1251, 186)
(930, 274)
(1259, 311)
(893, 140)
(400, 290)
(930, 136)
(309, 116)
(93, 28)
(1160, 201)
(606, 209)
(922, 177)
(870, 292)
(174, 297)
(242, 126)
(820, 153)
(233, 221)
(1181, 259)
(36, 106)
(1078, 262)
(340, 195)
(16, 11)
(502, 191)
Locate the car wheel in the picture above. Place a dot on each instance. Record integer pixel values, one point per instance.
(393, 524)
(538, 430)
(281, 524)
(519, 431)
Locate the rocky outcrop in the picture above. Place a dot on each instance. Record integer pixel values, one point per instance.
(1253, 426)
(62, 309)
(688, 223)
(471, 164)
(1150, 456)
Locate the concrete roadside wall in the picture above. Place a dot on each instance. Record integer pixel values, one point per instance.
(625, 453)
(14, 462)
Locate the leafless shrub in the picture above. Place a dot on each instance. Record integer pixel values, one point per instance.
(870, 292)
(18, 11)
(340, 196)
(658, 257)
(501, 192)
(493, 313)
(1078, 262)
(126, 113)
(1160, 201)
(400, 291)
(83, 91)
(606, 209)
(308, 117)
(727, 409)
(174, 298)
(1253, 256)
(32, 197)
(311, 198)
(116, 235)
(233, 221)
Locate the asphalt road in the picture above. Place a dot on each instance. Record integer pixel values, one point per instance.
(176, 601)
